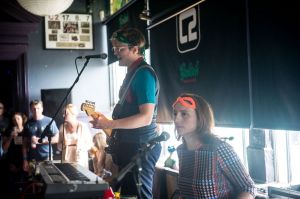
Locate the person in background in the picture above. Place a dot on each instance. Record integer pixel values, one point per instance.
(13, 142)
(103, 165)
(208, 166)
(134, 120)
(34, 129)
(4, 123)
(75, 138)
(14, 151)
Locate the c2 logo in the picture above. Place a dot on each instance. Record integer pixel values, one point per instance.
(188, 30)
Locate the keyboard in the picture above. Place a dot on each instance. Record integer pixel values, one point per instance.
(69, 180)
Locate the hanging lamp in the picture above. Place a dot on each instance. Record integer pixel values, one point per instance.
(45, 7)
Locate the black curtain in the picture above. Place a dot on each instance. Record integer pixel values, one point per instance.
(214, 65)
(247, 63)
(275, 58)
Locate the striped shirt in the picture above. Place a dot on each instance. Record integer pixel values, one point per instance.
(212, 172)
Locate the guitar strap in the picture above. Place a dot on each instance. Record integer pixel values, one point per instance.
(122, 99)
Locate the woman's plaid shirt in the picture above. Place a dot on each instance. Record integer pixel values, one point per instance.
(212, 172)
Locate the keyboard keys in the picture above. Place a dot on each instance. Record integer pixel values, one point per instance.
(71, 172)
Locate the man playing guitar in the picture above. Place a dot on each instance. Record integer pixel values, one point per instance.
(134, 119)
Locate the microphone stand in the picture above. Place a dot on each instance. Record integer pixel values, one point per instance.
(136, 162)
(47, 131)
(63, 138)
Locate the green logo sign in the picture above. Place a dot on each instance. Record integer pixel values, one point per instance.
(188, 72)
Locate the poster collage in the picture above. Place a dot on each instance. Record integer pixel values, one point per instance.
(69, 31)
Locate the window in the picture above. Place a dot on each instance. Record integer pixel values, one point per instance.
(116, 76)
(294, 149)
(172, 141)
(287, 161)
(116, 5)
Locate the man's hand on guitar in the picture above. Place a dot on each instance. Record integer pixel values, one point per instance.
(99, 120)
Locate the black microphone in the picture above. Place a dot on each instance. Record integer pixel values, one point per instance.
(227, 138)
(164, 136)
(99, 56)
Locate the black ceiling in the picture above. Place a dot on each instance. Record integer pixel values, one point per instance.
(11, 11)
(16, 23)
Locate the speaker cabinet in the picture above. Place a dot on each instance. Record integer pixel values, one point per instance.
(259, 138)
(52, 98)
(261, 164)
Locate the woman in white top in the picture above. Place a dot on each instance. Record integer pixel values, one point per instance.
(75, 137)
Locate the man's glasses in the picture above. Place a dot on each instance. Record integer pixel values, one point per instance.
(118, 49)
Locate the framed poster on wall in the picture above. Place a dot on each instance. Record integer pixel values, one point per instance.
(69, 31)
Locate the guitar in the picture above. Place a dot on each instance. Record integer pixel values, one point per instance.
(89, 108)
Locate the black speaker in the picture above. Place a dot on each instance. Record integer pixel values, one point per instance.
(52, 98)
(261, 164)
(260, 138)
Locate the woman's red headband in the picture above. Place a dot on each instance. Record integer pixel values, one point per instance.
(186, 102)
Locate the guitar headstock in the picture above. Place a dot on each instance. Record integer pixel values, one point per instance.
(88, 107)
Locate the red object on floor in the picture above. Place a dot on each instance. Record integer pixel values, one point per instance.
(108, 194)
